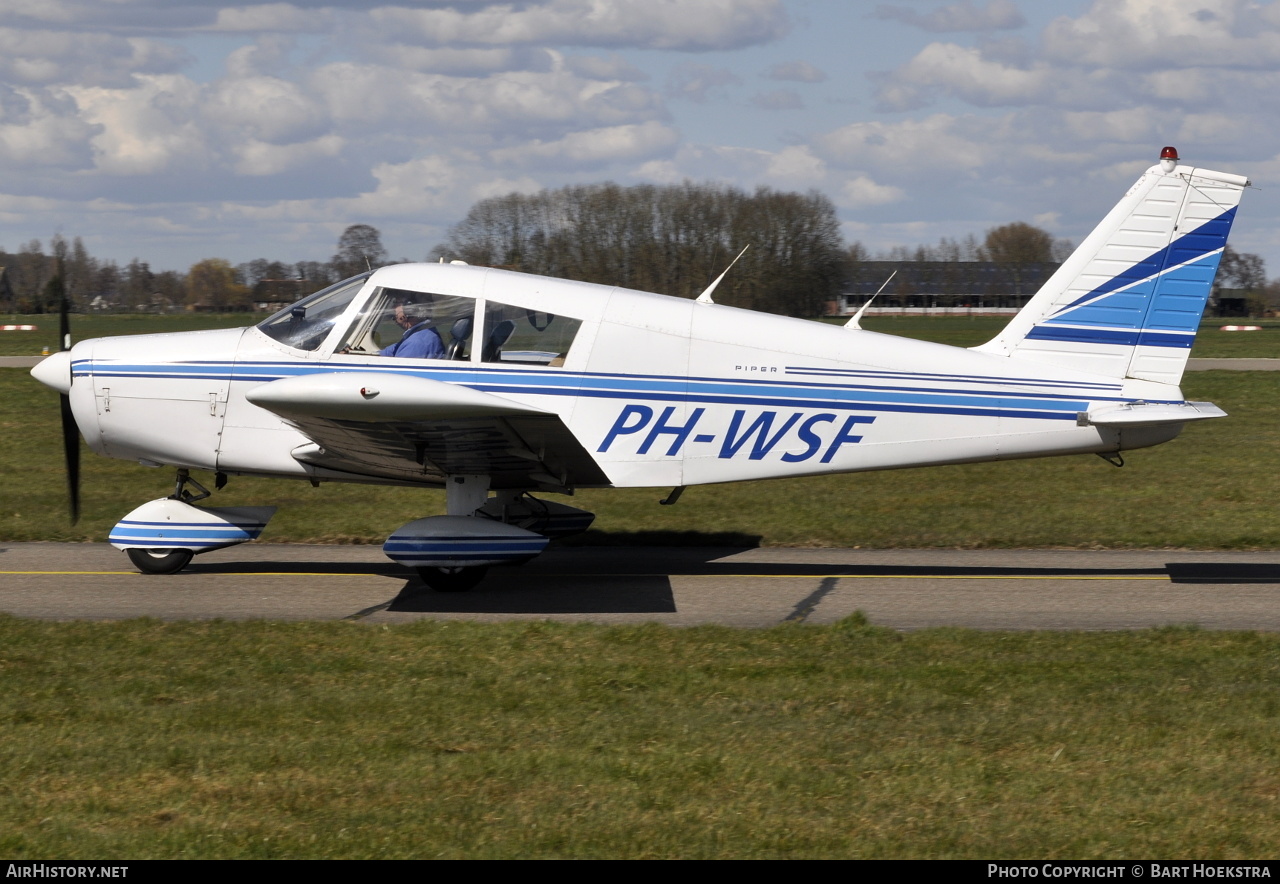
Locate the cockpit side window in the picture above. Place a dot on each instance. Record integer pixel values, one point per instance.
(413, 325)
(306, 324)
(530, 337)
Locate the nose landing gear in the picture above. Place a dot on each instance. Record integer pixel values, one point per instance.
(162, 536)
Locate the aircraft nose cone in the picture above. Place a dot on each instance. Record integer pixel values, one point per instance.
(54, 371)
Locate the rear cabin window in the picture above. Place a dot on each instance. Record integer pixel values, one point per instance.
(528, 337)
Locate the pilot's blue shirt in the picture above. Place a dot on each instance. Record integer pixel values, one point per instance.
(421, 341)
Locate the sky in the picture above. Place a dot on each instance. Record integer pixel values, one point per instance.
(175, 132)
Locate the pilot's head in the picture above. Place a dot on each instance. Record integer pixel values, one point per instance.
(411, 313)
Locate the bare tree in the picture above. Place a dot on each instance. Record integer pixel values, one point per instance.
(1241, 270)
(359, 248)
(1018, 243)
(671, 239)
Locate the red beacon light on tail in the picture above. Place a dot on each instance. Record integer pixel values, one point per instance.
(1169, 159)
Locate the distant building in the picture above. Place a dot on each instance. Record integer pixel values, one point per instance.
(941, 287)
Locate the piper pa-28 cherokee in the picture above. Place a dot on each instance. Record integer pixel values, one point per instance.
(522, 384)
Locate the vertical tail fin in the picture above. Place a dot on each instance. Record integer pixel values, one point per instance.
(1128, 301)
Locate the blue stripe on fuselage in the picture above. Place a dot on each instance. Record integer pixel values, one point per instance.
(760, 392)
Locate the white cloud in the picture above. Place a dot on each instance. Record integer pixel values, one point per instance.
(145, 130)
(396, 100)
(265, 108)
(43, 57)
(859, 192)
(37, 131)
(653, 24)
(463, 61)
(261, 158)
(962, 16)
(699, 82)
(660, 172)
(963, 73)
(778, 99)
(281, 17)
(612, 67)
(795, 166)
(797, 71)
(593, 148)
(940, 144)
(1167, 34)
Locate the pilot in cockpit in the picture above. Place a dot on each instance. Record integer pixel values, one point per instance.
(421, 339)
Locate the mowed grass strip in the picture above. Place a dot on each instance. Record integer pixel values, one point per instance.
(143, 739)
(105, 325)
(1215, 487)
(958, 331)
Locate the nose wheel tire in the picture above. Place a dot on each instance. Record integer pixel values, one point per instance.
(452, 579)
(159, 561)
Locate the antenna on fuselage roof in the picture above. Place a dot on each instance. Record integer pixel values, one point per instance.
(853, 323)
(705, 297)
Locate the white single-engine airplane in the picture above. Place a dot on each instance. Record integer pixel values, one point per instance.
(507, 384)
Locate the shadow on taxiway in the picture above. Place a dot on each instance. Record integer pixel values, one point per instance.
(506, 592)
(637, 580)
(1223, 572)
(641, 562)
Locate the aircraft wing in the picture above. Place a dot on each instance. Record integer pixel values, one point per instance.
(393, 426)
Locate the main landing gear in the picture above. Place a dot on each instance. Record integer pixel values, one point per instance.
(453, 553)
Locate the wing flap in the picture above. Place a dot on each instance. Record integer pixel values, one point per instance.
(420, 431)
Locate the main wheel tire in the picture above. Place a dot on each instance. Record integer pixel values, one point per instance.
(160, 561)
(452, 579)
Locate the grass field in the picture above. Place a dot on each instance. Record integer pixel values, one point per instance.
(103, 325)
(958, 331)
(143, 739)
(449, 739)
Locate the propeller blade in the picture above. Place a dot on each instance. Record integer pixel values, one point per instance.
(71, 453)
(70, 432)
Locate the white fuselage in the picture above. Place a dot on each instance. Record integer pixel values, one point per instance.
(661, 391)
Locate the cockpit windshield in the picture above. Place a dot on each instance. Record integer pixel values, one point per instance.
(306, 324)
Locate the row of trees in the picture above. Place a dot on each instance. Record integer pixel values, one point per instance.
(95, 284)
(1016, 243)
(671, 239)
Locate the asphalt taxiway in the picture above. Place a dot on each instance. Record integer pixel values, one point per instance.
(904, 589)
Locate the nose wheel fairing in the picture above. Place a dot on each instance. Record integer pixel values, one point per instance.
(157, 533)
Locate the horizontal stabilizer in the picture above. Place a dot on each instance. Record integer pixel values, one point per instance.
(377, 397)
(1149, 414)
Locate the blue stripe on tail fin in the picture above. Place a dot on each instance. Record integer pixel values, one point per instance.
(1128, 302)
